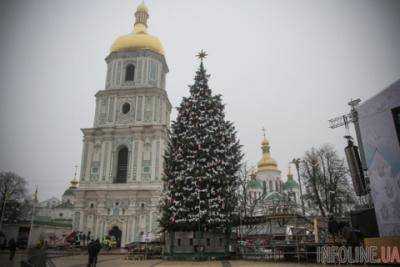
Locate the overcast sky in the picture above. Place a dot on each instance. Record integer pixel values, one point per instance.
(286, 65)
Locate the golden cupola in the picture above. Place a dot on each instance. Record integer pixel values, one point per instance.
(267, 163)
(74, 185)
(139, 39)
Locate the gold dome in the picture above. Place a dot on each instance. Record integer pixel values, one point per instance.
(74, 183)
(134, 42)
(139, 39)
(267, 163)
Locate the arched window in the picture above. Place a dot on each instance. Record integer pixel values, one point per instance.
(130, 73)
(270, 186)
(122, 165)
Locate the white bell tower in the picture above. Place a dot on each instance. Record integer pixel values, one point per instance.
(122, 157)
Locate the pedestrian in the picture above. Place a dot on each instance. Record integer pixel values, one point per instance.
(91, 247)
(12, 246)
(81, 241)
(77, 239)
(2, 240)
(84, 239)
(97, 248)
(88, 237)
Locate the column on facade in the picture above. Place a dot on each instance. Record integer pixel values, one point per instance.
(140, 143)
(83, 161)
(107, 159)
(153, 158)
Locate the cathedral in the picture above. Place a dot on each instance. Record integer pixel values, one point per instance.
(266, 187)
(122, 157)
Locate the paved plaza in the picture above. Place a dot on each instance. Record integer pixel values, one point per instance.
(119, 261)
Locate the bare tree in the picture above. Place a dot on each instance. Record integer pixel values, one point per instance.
(248, 205)
(326, 179)
(16, 211)
(246, 202)
(12, 187)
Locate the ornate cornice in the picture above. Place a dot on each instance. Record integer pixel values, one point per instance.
(109, 133)
(126, 92)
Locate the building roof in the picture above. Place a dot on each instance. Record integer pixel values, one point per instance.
(274, 196)
(51, 222)
(69, 192)
(49, 202)
(139, 39)
(65, 205)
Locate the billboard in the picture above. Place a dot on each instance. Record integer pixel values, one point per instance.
(380, 137)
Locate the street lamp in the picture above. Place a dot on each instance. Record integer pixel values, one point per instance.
(296, 162)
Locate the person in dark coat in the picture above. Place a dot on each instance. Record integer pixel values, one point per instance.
(94, 248)
(97, 248)
(3, 241)
(84, 239)
(12, 246)
(91, 252)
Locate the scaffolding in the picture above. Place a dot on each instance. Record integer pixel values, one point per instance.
(296, 236)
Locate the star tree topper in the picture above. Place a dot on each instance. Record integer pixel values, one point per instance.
(202, 55)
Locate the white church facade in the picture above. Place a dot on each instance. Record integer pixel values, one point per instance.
(122, 157)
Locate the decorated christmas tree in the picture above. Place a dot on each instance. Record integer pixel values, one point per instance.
(201, 162)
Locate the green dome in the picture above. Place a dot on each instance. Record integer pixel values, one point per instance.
(255, 184)
(290, 184)
(69, 192)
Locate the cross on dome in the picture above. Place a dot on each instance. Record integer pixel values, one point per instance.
(263, 130)
(74, 182)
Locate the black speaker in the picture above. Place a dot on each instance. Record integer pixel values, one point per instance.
(355, 167)
(365, 221)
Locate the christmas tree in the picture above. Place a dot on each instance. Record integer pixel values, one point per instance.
(201, 162)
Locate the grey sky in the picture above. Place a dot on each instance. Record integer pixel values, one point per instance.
(285, 65)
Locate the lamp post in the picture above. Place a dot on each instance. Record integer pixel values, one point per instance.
(35, 200)
(296, 162)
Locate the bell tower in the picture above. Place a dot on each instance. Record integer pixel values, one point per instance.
(122, 154)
